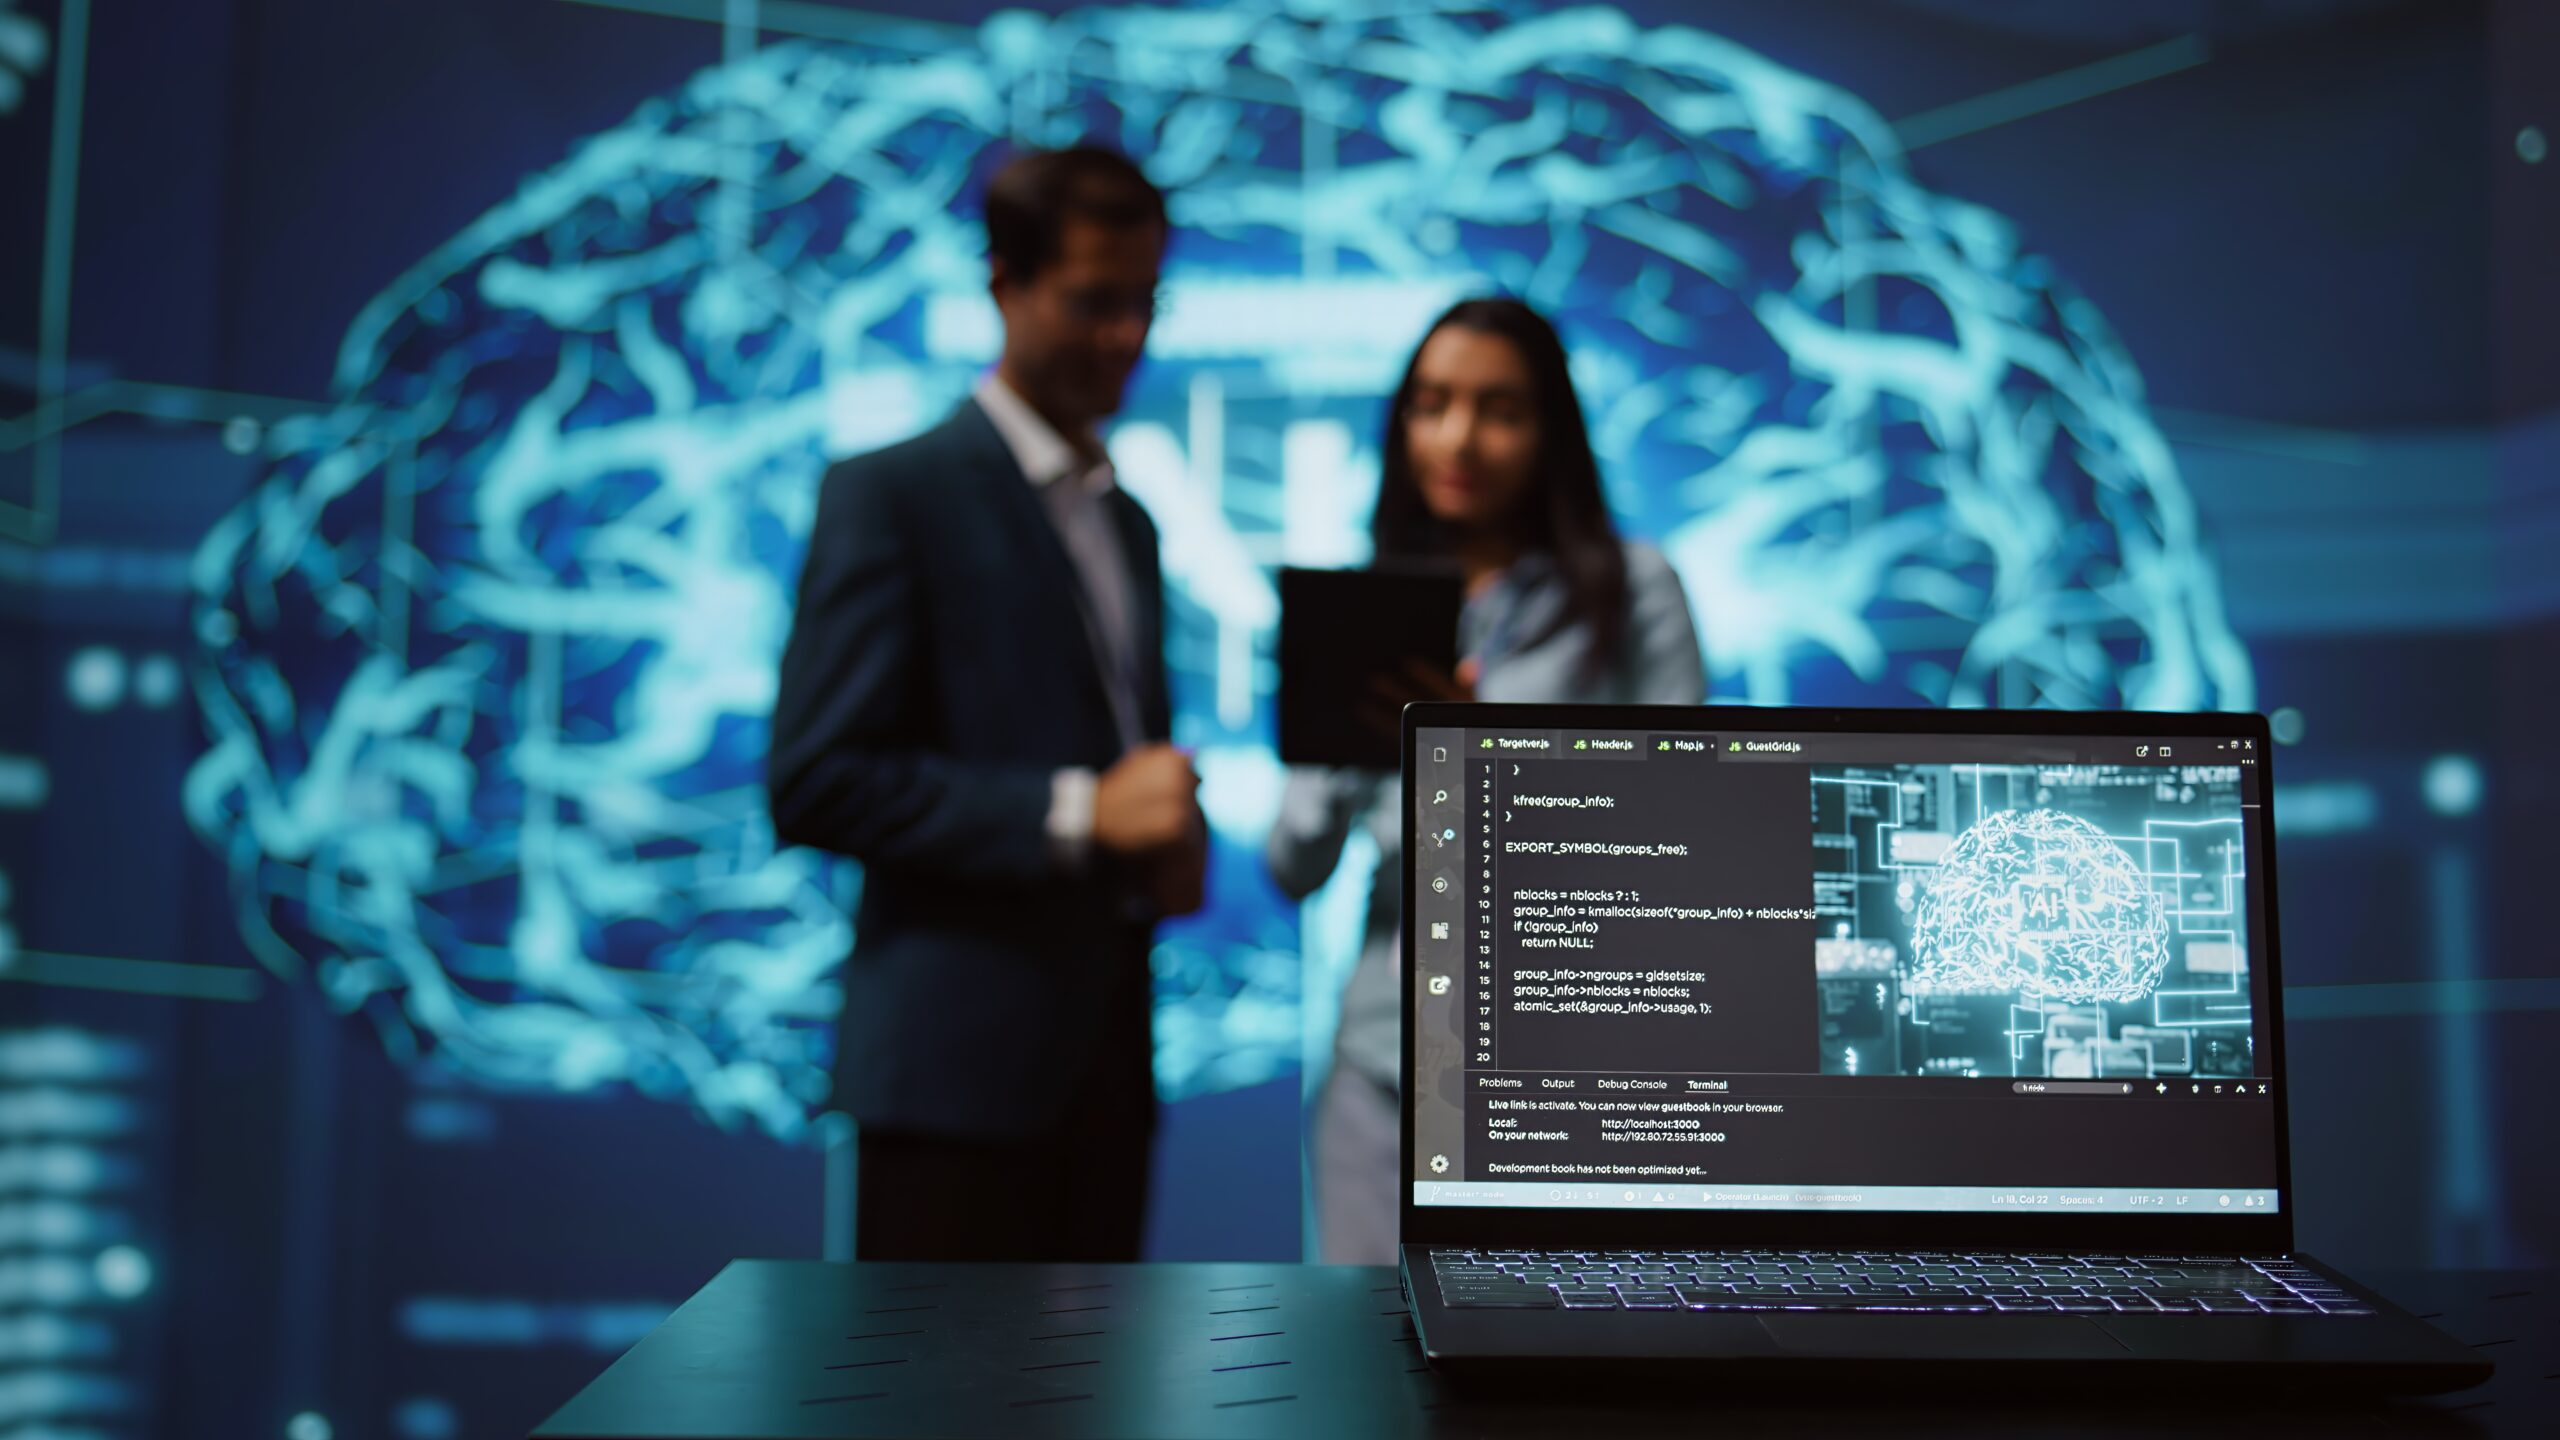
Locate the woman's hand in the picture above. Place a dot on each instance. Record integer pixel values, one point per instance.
(1416, 683)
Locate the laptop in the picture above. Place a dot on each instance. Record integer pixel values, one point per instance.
(1894, 1038)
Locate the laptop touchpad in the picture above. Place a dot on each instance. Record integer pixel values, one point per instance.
(1952, 1337)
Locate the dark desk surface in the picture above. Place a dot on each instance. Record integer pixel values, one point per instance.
(802, 1348)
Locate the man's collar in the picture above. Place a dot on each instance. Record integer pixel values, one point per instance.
(1044, 455)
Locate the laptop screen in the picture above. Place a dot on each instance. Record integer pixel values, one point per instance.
(1836, 972)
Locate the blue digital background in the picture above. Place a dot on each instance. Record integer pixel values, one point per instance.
(414, 413)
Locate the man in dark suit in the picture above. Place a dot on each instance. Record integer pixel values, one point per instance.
(973, 705)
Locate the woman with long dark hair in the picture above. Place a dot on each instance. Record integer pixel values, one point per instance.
(1486, 464)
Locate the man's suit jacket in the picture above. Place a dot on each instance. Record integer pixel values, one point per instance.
(939, 670)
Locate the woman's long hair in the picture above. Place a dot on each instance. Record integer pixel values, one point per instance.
(1563, 512)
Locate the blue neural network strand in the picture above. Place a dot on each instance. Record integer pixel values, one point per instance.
(488, 653)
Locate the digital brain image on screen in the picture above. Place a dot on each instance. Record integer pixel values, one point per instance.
(487, 656)
(2067, 922)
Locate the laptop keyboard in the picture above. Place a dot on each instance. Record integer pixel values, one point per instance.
(1907, 1281)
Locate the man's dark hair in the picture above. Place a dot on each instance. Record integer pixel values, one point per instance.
(1031, 199)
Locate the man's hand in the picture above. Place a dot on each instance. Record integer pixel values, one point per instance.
(1146, 801)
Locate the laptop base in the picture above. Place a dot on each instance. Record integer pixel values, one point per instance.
(2386, 1351)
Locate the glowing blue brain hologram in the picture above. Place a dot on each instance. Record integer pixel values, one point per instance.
(487, 655)
(2071, 921)
(2043, 904)
(24, 48)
